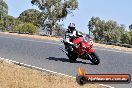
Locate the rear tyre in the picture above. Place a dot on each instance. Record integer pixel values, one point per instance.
(94, 58)
(72, 57)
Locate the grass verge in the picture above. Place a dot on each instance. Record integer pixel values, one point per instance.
(31, 36)
(113, 47)
(15, 76)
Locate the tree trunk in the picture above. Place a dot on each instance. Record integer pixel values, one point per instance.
(53, 27)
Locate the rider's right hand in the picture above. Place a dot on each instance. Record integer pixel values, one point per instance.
(75, 45)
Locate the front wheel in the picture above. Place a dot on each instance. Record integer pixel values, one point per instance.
(94, 58)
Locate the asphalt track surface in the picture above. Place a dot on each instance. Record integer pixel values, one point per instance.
(46, 54)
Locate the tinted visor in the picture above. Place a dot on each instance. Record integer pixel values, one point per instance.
(72, 28)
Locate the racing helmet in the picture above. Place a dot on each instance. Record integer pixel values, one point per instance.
(71, 26)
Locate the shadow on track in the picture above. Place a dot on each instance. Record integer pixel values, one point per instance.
(66, 60)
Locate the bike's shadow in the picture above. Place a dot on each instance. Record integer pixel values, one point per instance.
(67, 60)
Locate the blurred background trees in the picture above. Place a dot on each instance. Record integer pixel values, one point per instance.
(55, 10)
(3, 9)
(3, 13)
(31, 16)
(110, 31)
(51, 12)
(28, 28)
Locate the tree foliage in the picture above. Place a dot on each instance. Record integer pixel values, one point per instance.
(2, 28)
(3, 9)
(31, 15)
(130, 36)
(108, 31)
(9, 22)
(55, 10)
(60, 30)
(26, 28)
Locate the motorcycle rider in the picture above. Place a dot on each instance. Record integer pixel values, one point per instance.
(70, 35)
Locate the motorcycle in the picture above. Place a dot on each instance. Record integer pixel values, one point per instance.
(83, 49)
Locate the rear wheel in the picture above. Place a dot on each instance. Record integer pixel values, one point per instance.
(72, 56)
(94, 58)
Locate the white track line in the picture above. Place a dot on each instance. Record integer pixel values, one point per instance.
(30, 66)
(106, 86)
(38, 68)
(50, 70)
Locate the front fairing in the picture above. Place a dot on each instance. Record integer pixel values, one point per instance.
(78, 40)
(85, 45)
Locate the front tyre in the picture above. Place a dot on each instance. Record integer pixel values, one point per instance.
(94, 58)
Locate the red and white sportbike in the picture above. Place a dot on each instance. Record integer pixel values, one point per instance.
(83, 50)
